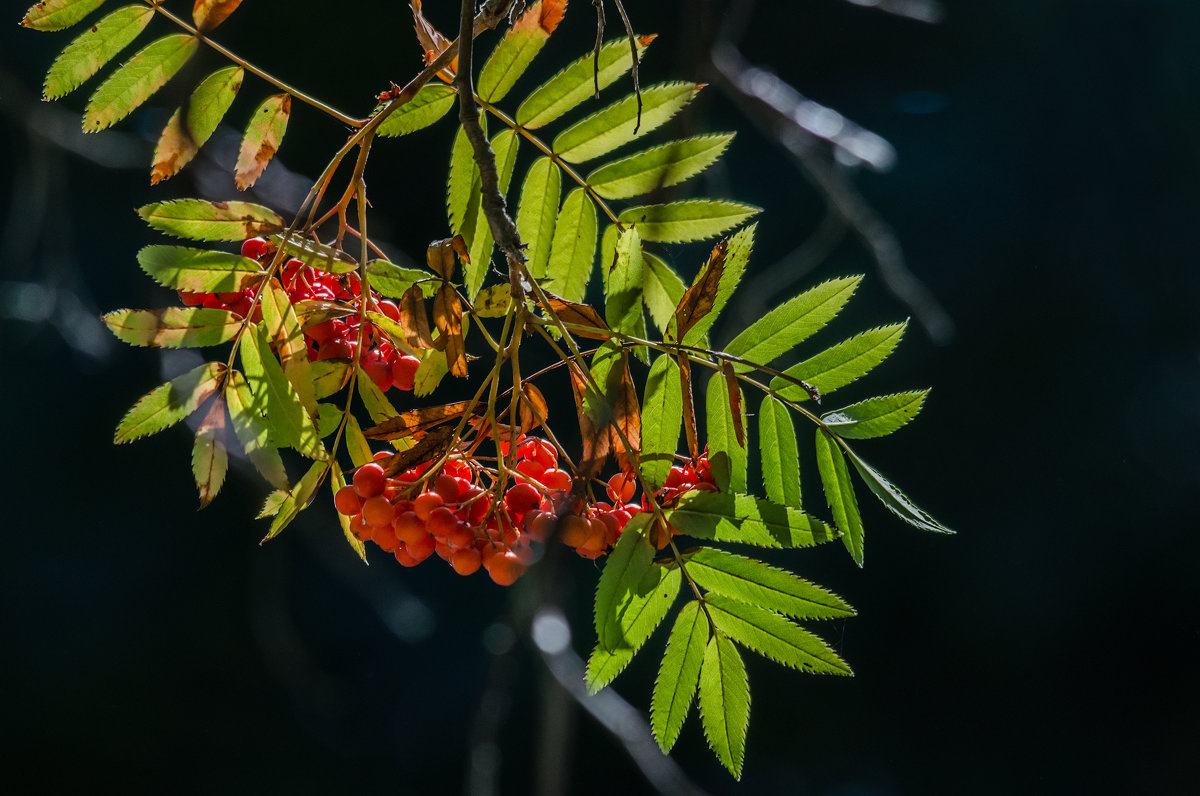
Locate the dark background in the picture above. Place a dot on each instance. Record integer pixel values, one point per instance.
(1045, 192)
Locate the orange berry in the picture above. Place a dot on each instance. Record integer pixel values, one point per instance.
(385, 537)
(466, 561)
(409, 528)
(423, 549)
(404, 557)
(378, 511)
(425, 503)
(505, 568)
(522, 498)
(555, 479)
(442, 522)
(347, 501)
(369, 480)
(621, 487)
(574, 530)
(447, 486)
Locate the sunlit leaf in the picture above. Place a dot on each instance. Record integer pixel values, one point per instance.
(780, 453)
(726, 454)
(374, 401)
(58, 14)
(678, 675)
(773, 636)
(463, 182)
(174, 327)
(337, 481)
(95, 47)
(505, 146)
(197, 219)
(283, 329)
(517, 49)
(574, 247)
(297, 500)
(537, 211)
(662, 289)
(756, 583)
(737, 254)
(839, 494)
(725, 702)
(316, 255)
(263, 136)
(137, 79)
(875, 417)
(662, 415)
(658, 167)
(394, 280)
(191, 126)
(167, 404)
(896, 501)
(623, 285)
(614, 126)
(248, 415)
(291, 426)
(841, 364)
(492, 302)
(793, 322)
(198, 270)
(329, 377)
(428, 106)
(698, 300)
(743, 519)
(207, 14)
(687, 220)
(210, 459)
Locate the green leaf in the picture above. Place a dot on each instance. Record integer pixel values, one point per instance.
(174, 327)
(725, 454)
(737, 254)
(375, 402)
(791, 323)
(263, 137)
(210, 459)
(316, 255)
(662, 420)
(576, 83)
(190, 127)
(743, 519)
(270, 506)
(605, 130)
(463, 182)
(329, 418)
(283, 329)
(839, 494)
(198, 270)
(58, 14)
(167, 404)
(517, 49)
(537, 212)
(773, 636)
(248, 414)
(337, 482)
(95, 47)
(134, 83)
(356, 444)
(428, 105)
(842, 364)
(658, 167)
(632, 598)
(598, 400)
(875, 417)
(623, 287)
(891, 497)
(430, 372)
(492, 302)
(679, 675)
(394, 280)
(661, 290)
(574, 247)
(329, 377)
(291, 426)
(196, 219)
(780, 454)
(758, 584)
(725, 702)
(687, 220)
(298, 498)
(505, 146)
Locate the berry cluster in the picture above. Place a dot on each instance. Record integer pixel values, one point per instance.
(415, 514)
(335, 338)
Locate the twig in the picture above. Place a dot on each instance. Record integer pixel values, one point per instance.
(637, 88)
(599, 6)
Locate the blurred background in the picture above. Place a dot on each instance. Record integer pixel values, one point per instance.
(1043, 194)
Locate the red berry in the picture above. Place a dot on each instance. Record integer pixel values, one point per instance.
(531, 468)
(425, 503)
(545, 454)
(378, 511)
(466, 561)
(385, 537)
(505, 568)
(255, 248)
(442, 522)
(404, 370)
(347, 501)
(621, 487)
(556, 479)
(192, 299)
(409, 528)
(522, 498)
(390, 310)
(447, 486)
(369, 480)
(378, 369)
(574, 530)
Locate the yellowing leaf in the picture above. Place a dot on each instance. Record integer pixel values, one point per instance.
(263, 137)
(134, 83)
(210, 459)
(174, 327)
(210, 13)
(196, 219)
(192, 125)
(518, 48)
(166, 405)
(58, 14)
(95, 47)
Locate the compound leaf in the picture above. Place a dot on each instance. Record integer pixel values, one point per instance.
(463, 182)
(791, 323)
(95, 47)
(614, 126)
(291, 426)
(743, 519)
(394, 280)
(167, 404)
(876, 417)
(174, 327)
(576, 83)
(841, 364)
(737, 254)
(725, 702)
(756, 583)
(263, 136)
(192, 125)
(210, 459)
(658, 167)
(137, 79)
(678, 675)
(839, 493)
(248, 415)
(623, 285)
(662, 289)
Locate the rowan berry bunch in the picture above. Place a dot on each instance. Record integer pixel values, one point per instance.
(317, 336)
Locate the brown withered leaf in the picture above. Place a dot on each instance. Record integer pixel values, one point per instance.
(483, 427)
(581, 314)
(210, 459)
(626, 413)
(447, 314)
(310, 312)
(689, 406)
(440, 255)
(416, 421)
(415, 319)
(433, 445)
(735, 402)
(210, 13)
(533, 408)
(697, 300)
(263, 136)
(432, 41)
(595, 445)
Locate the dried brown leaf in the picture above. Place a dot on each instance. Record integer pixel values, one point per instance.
(580, 314)
(210, 13)
(735, 402)
(626, 413)
(416, 421)
(433, 445)
(432, 42)
(415, 319)
(697, 300)
(595, 442)
(689, 406)
(440, 255)
(533, 407)
(447, 314)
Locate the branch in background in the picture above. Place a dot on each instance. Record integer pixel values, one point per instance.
(504, 231)
(804, 128)
(929, 11)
